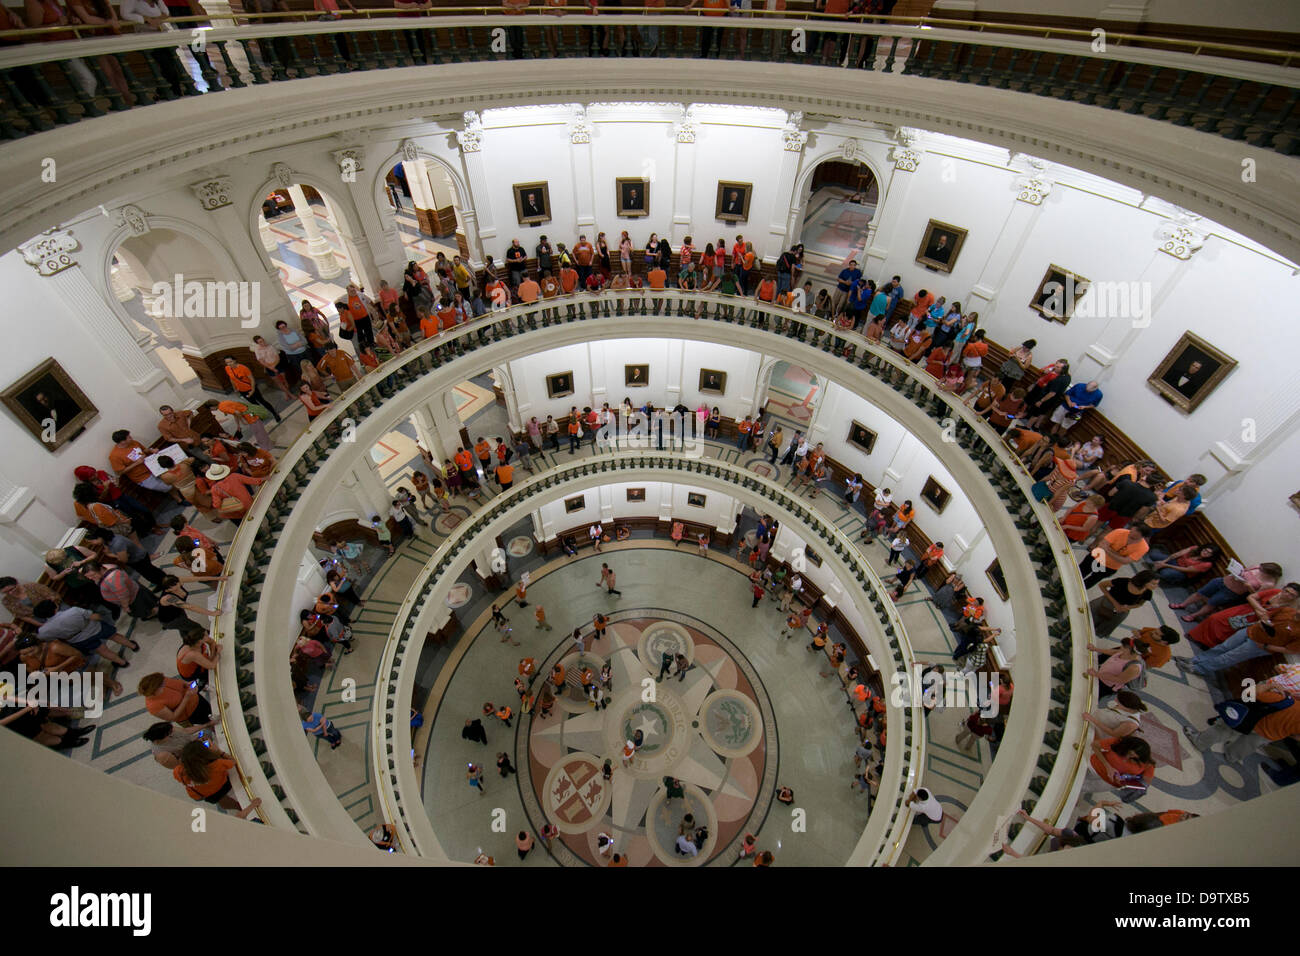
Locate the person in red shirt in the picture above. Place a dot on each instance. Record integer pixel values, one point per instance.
(229, 486)
(446, 314)
(766, 290)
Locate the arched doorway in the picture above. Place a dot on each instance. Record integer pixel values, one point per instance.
(791, 395)
(301, 236)
(422, 199)
(839, 204)
(143, 273)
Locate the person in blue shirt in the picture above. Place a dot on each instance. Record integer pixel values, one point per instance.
(318, 725)
(848, 278)
(1196, 481)
(895, 293)
(859, 300)
(1078, 399)
(934, 316)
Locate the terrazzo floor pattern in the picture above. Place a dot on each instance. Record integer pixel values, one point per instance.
(814, 724)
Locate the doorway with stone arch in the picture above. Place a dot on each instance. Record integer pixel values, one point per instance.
(792, 394)
(301, 236)
(839, 205)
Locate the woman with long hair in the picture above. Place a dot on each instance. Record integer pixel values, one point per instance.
(602, 256)
(206, 777)
(651, 252)
(625, 253)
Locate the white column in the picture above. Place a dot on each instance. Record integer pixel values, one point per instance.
(477, 235)
(364, 482)
(269, 242)
(356, 247)
(673, 382)
(109, 337)
(1160, 276)
(596, 362)
(1006, 251)
(438, 431)
(584, 183)
(683, 181)
(327, 265)
(885, 225)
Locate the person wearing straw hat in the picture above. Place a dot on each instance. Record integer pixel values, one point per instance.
(232, 493)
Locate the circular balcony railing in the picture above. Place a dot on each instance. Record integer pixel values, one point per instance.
(1240, 93)
(1049, 605)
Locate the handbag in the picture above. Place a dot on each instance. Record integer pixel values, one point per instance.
(230, 507)
(347, 334)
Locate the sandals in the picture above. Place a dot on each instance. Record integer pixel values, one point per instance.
(134, 645)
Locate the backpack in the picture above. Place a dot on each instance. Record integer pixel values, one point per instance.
(1242, 716)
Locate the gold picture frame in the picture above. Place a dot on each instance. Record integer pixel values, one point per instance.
(576, 503)
(862, 437)
(997, 579)
(636, 376)
(733, 201)
(48, 403)
(1191, 370)
(939, 255)
(1062, 287)
(532, 203)
(632, 198)
(935, 495)
(559, 384)
(713, 382)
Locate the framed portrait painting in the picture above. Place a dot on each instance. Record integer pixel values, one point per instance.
(935, 495)
(997, 579)
(633, 197)
(1190, 372)
(48, 403)
(695, 500)
(636, 494)
(576, 503)
(559, 385)
(862, 437)
(733, 201)
(940, 246)
(1058, 294)
(532, 203)
(636, 376)
(713, 382)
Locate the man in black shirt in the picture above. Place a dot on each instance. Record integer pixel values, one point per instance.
(517, 262)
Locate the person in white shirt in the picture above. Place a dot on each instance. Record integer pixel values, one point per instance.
(595, 533)
(1120, 717)
(925, 806)
(685, 846)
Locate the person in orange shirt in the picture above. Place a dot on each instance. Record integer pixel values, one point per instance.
(766, 290)
(932, 556)
(711, 37)
(583, 253)
(465, 465)
(1116, 550)
(483, 449)
(529, 290)
(428, 324)
(245, 419)
(568, 279)
(126, 458)
(339, 365)
(903, 517)
(206, 777)
(168, 698)
(315, 402)
(242, 381)
(230, 486)
(505, 475)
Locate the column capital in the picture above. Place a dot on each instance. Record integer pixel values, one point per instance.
(471, 137)
(1035, 183)
(1181, 236)
(282, 174)
(212, 193)
(349, 161)
(134, 218)
(51, 252)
